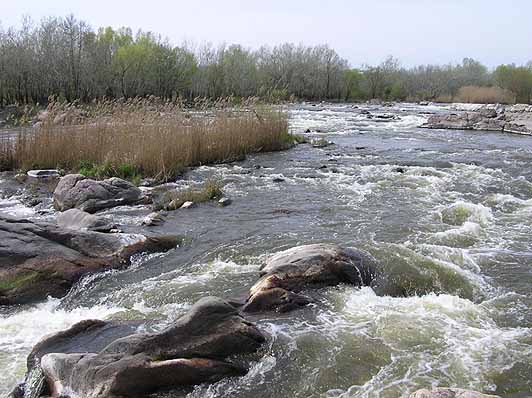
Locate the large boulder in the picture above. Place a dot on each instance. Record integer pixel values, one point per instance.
(442, 392)
(194, 349)
(56, 257)
(78, 191)
(85, 336)
(288, 273)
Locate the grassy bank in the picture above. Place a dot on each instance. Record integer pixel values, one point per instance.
(145, 137)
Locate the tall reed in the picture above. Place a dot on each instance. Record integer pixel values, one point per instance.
(157, 138)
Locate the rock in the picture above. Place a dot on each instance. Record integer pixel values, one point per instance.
(484, 118)
(80, 220)
(401, 170)
(187, 205)
(224, 202)
(423, 103)
(51, 173)
(320, 143)
(148, 182)
(21, 178)
(289, 272)
(153, 219)
(78, 191)
(194, 349)
(58, 257)
(278, 179)
(449, 393)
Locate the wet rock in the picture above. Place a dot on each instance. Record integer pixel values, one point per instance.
(193, 350)
(58, 257)
(224, 202)
(78, 191)
(153, 219)
(401, 170)
(148, 182)
(485, 118)
(320, 143)
(81, 220)
(449, 393)
(51, 173)
(21, 178)
(288, 273)
(187, 205)
(278, 179)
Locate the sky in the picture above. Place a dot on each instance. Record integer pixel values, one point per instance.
(363, 32)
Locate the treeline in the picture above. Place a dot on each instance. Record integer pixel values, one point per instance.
(66, 58)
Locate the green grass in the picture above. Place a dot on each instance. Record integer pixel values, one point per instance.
(211, 190)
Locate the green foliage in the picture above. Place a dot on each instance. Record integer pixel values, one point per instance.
(517, 79)
(125, 171)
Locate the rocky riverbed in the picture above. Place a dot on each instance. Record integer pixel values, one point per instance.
(390, 260)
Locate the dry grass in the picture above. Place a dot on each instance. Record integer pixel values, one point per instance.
(146, 136)
(485, 95)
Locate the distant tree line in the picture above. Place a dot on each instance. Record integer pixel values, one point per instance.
(66, 58)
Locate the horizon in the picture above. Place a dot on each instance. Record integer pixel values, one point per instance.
(404, 30)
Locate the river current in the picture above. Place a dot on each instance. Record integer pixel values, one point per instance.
(447, 213)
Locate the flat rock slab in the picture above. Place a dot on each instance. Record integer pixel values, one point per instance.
(38, 260)
(442, 392)
(82, 362)
(78, 191)
(312, 266)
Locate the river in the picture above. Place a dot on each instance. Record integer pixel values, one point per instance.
(447, 213)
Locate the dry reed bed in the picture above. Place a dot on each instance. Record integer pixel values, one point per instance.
(156, 139)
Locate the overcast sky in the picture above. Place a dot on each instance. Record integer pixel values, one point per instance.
(415, 31)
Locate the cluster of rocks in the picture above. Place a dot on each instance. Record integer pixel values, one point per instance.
(108, 359)
(511, 119)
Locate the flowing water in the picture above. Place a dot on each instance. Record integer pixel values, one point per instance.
(447, 213)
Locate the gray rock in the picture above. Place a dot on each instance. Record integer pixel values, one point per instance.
(80, 220)
(51, 173)
(187, 205)
(224, 202)
(320, 143)
(78, 191)
(193, 350)
(441, 392)
(288, 273)
(58, 257)
(153, 219)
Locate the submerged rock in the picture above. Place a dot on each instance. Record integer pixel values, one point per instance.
(153, 219)
(81, 220)
(222, 202)
(92, 359)
(58, 257)
(78, 191)
(442, 392)
(288, 273)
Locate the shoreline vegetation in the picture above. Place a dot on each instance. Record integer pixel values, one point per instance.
(68, 59)
(145, 137)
